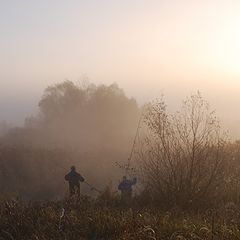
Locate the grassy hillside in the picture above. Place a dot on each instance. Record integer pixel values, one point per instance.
(89, 219)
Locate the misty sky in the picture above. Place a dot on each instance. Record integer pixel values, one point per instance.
(150, 47)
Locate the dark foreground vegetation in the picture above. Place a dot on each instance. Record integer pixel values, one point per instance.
(90, 219)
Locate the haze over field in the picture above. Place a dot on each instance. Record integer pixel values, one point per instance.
(147, 47)
(119, 119)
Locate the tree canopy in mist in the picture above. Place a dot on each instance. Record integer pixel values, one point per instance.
(93, 125)
(74, 116)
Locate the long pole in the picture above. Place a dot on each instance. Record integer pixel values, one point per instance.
(91, 187)
(134, 143)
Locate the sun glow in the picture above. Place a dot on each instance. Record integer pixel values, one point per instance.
(226, 48)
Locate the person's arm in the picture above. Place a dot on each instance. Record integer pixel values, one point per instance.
(120, 186)
(67, 177)
(81, 178)
(134, 181)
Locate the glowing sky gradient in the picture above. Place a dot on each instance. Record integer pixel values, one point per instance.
(148, 47)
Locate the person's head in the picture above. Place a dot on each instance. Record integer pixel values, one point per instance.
(124, 178)
(73, 168)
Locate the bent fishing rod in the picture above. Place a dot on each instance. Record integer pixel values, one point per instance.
(134, 143)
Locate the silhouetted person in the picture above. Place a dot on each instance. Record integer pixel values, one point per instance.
(125, 187)
(74, 180)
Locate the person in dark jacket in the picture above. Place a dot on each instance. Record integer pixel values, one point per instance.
(74, 179)
(125, 187)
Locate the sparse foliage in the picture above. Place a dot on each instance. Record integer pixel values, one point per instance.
(182, 155)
